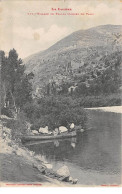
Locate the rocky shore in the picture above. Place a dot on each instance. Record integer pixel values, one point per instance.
(20, 165)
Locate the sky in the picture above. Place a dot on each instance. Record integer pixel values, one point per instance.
(29, 34)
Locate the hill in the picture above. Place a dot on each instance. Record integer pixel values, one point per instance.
(83, 53)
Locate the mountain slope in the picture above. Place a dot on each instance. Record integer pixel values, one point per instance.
(75, 55)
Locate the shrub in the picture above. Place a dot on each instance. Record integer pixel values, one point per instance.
(99, 101)
(54, 112)
(7, 112)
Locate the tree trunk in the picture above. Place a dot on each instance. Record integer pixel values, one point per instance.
(0, 85)
(4, 94)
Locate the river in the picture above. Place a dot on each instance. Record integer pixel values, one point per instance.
(94, 156)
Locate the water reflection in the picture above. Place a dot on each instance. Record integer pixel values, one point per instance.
(56, 143)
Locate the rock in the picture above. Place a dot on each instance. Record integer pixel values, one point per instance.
(49, 171)
(44, 130)
(14, 152)
(70, 179)
(43, 171)
(21, 152)
(39, 167)
(64, 172)
(7, 140)
(7, 130)
(62, 129)
(74, 181)
(38, 158)
(4, 135)
(31, 153)
(35, 166)
(72, 126)
(49, 166)
(35, 132)
(62, 178)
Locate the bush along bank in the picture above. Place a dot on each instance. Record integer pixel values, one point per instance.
(55, 112)
(14, 147)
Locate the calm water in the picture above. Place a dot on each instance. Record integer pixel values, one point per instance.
(94, 157)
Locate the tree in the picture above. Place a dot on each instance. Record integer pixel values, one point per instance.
(17, 86)
(81, 89)
(3, 80)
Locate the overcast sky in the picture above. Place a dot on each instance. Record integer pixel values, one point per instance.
(29, 34)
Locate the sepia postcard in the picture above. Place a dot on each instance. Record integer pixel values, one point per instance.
(60, 93)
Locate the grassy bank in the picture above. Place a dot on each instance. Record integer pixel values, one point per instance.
(15, 168)
(18, 164)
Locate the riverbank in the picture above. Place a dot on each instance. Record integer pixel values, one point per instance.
(95, 157)
(95, 160)
(114, 109)
(19, 165)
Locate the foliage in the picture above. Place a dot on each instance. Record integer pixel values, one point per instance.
(100, 101)
(16, 88)
(105, 78)
(6, 111)
(58, 107)
(18, 126)
(62, 110)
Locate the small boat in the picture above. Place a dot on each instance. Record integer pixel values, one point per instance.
(48, 137)
(34, 142)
